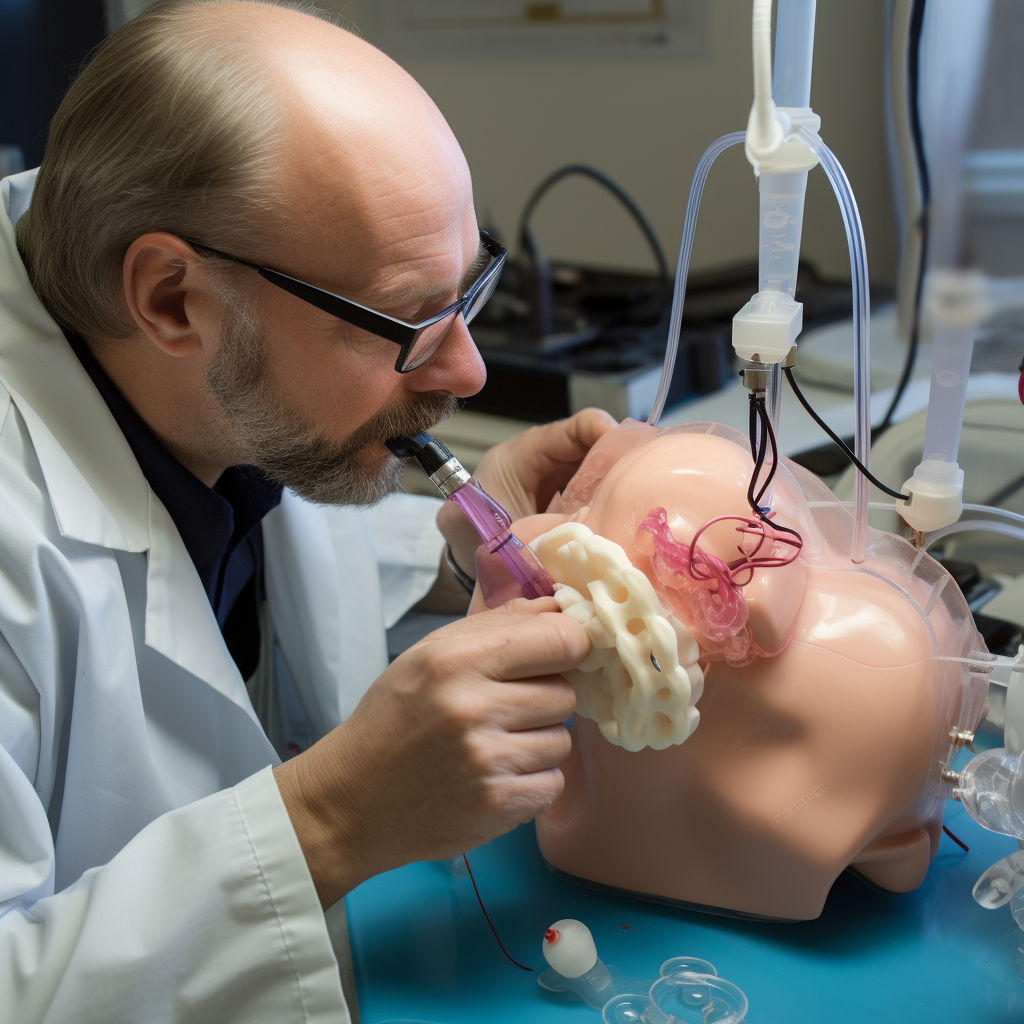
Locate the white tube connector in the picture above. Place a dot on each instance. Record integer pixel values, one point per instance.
(771, 143)
(765, 131)
(764, 330)
(936, 496)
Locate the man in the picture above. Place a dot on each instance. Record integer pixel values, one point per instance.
(171, 623)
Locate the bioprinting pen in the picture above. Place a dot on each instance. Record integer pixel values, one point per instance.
(491, 521)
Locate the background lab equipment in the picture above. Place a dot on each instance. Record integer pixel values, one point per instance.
(764, 332)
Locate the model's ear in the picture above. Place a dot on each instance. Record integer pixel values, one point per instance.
(898, 863)
(165, 286)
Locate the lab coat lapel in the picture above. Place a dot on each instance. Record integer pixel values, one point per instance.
(304, 593)
(180, 623)
(96, 488)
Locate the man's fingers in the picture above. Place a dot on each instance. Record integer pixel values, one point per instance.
(568, 441)
(521, 798)
(588, 426)
(544, 645)
(522, 753)
(520, 640)
(504, 617)
(532, 703)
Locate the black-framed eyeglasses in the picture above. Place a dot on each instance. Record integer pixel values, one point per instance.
(417, 342)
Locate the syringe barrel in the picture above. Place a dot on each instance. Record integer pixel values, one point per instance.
(952, 345)
(781, 223)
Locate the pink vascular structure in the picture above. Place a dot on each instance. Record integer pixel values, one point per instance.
(830, 689)
(713, 587)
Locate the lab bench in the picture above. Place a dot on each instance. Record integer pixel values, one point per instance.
(424, 954)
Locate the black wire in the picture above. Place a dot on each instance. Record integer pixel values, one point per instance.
(1007, 491)
(916, 32)
(846, 450)
(528, 243)
(762, 450)
(752, 425)
(757, 407)
(766, 427)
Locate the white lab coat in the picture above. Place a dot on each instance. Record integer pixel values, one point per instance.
(148, 868)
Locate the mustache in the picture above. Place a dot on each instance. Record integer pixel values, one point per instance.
(427, 411)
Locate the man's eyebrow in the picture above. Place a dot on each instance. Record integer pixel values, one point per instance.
(482, 255)
(413, 293)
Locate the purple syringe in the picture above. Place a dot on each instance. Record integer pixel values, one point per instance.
(519, 572)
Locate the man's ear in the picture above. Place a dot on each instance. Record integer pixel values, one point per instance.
(168, 291)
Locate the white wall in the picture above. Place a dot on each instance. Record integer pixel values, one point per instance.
(646, 123)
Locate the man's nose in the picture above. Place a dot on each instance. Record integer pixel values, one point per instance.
(456, 366)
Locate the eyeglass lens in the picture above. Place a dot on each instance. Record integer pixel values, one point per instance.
(428, 341)
(431, 337)
(479, 301)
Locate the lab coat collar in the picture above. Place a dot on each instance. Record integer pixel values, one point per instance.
(98, 492)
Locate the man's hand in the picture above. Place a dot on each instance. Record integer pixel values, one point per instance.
(524, 473)
(457, 742)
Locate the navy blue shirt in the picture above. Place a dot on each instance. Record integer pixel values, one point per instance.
(220, 526)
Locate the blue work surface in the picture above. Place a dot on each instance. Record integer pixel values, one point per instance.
(423, 951)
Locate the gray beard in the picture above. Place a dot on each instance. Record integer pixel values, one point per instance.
(296, 453)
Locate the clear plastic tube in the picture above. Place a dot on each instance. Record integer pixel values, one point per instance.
(952, 345)
(780, 226)
(1003, 513)
(781, 223)
(952, 65)
(978, 525)
(794, 46)
(861, 328)
(700, 176)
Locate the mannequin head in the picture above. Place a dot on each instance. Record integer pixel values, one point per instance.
(823, 716)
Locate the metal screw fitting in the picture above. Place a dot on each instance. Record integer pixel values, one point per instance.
(949, 776)
(962, 738)
(755, 376)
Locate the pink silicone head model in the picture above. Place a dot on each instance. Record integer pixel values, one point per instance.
(795, 722)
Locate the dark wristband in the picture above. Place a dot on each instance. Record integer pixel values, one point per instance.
(467, 582)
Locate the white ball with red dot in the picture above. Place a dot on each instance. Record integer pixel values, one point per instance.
(569, 948)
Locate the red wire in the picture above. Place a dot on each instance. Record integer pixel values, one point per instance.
(959, 842)
(487, 918)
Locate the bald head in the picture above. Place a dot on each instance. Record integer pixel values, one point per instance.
(366, 160)
(266, 131)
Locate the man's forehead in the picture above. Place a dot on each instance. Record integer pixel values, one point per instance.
(436, 278)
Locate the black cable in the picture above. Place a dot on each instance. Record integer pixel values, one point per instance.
(766, 427)
(916, 32)
(1007, 491)
(762, 451)
(767, 440)
(752, 425)
(527, 242)
(846, 450)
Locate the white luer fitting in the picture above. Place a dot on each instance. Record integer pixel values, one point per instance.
(641, 680)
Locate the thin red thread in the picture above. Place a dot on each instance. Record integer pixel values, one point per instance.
(959, 842)
(487, 918)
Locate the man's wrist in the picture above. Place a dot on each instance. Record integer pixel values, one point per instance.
(331, 864)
